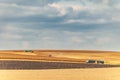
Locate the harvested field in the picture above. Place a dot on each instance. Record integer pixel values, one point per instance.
(48, 65)
(62, 74)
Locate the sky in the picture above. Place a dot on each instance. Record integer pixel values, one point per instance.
(60, 24)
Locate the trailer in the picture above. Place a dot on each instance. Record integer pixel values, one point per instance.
(100, 62)
(91, 61)
(95, 61)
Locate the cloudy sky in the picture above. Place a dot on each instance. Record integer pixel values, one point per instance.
(60, 24)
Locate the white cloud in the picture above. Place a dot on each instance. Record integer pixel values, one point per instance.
(25, 45)
(7, 9)
(85, 21)
(77, 39)
(47, 38)
(60, 8)
(10, 27)
(70, 33)
(9, 36)
(106, 1)
(103, 40)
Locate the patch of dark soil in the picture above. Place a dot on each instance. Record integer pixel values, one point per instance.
(47, 65)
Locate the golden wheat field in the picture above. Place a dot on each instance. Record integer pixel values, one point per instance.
(62, 55)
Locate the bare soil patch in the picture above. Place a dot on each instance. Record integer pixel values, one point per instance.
(48, 65)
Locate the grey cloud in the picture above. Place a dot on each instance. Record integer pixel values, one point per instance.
(35, 24)
(23, 15)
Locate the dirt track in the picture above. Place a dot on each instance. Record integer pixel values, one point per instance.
(47, 65)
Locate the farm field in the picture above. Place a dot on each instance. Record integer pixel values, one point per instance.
(75, 56)
(62, 74)
(58, 65)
